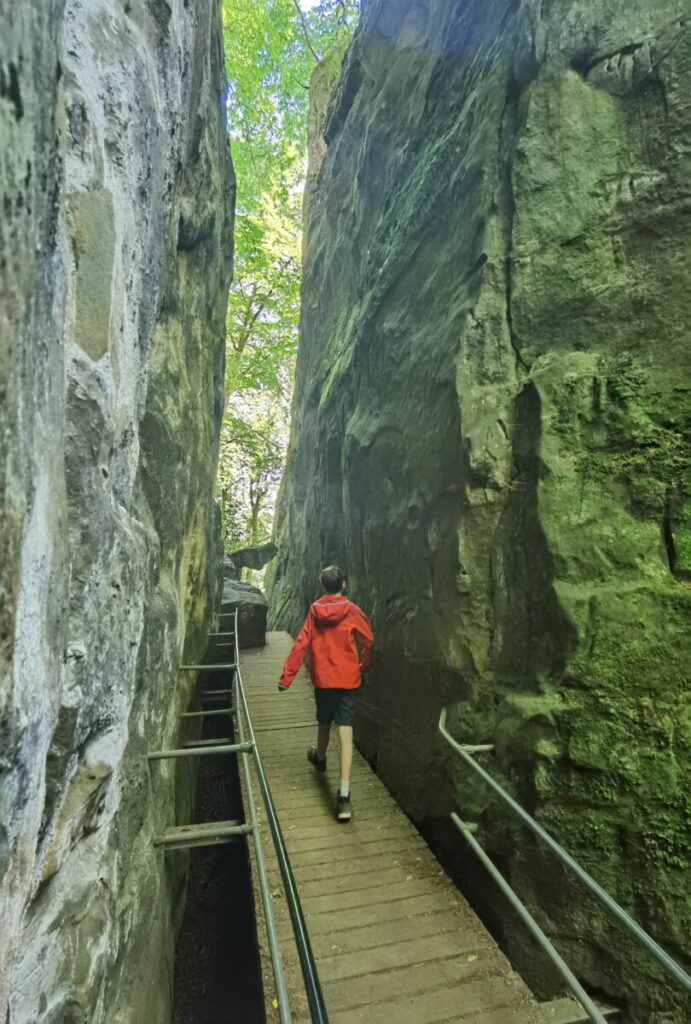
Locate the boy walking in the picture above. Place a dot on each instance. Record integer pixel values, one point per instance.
(330, 630)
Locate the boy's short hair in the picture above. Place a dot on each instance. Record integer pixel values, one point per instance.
(332, 579)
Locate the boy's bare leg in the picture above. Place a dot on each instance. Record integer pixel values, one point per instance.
(345, 737)
(322, 739)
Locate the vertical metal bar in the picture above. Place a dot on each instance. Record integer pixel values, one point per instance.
(530, 922)
(646, 940)
(284, 1013)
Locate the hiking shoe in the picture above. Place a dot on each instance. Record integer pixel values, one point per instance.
(315, 760)
(344, 808)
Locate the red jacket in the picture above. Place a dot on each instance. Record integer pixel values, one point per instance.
(329, 630)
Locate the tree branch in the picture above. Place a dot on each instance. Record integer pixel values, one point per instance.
(248, 324)
(306, 32)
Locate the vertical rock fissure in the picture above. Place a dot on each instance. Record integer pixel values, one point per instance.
(668, 534)
(509, 129)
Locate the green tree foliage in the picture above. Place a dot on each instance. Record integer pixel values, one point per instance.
(250, 467)
(272, 47)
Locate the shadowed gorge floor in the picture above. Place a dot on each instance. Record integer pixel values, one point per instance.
(217, 970)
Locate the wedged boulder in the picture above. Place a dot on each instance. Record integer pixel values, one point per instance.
(252, 607)
(247, 558)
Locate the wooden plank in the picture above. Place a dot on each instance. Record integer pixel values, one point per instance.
(401, 981)
(368, 803)
(353, 854)
(386, 849)
(457, 1003)
(526, 1014)
(569, 1011)
(296, 793)
(395, 954)
(326, 842)
(364, 880)
(321, 807)
(372, 913)
(364, 826)
(373, 936)
(377, 862)
(365, 897)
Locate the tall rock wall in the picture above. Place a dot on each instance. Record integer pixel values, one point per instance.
(492, 430)
(115, 249)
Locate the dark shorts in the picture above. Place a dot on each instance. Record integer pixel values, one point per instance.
(335, 706)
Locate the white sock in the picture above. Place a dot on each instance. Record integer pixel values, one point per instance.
(345, 787)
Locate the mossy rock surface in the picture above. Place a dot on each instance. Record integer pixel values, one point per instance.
(492, 429)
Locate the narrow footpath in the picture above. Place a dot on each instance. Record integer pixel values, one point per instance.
(393, 938)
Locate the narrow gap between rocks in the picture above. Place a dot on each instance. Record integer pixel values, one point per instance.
(217, 966)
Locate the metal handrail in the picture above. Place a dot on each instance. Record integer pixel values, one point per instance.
(271, 932)
(611, 904)
(313, 990)
(572, 981)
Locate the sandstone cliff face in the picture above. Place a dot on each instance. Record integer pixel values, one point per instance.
(491, 430)
(115, 248)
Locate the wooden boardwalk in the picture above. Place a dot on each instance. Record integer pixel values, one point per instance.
(393, 938)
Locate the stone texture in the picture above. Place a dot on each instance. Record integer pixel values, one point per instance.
(252, 612)
(115, 246)
(492, 435)
(248, 558)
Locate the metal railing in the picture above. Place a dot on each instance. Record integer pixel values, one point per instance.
(466, 830)
(315, 997)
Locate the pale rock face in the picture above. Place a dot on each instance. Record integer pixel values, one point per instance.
(492, 435)
(115, 249)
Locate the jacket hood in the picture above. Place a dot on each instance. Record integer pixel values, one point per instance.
(330, 610)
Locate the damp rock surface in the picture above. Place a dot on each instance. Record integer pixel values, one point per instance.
(248, 558)
(252, 609)
(115, 249)
(491, 434)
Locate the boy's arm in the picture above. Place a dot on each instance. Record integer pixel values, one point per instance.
(297, 654)
(364, 629)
